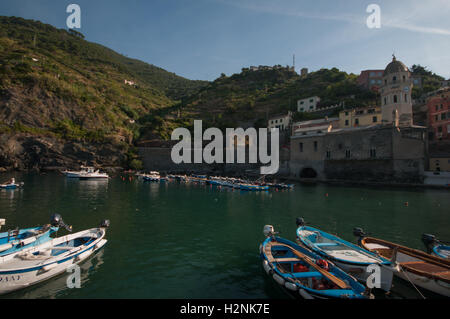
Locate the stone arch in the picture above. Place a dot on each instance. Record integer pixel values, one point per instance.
(308, 172)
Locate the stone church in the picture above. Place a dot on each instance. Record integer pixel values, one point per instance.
(393, 151)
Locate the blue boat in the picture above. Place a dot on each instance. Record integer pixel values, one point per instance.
(436, 247)
(253, 187)
(351, 258)
(16, 240)
(305, 274)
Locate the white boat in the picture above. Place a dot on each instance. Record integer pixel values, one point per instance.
(353, 259)
(34, 265)
(86, 173)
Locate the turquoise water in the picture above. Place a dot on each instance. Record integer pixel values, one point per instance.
(177, 240)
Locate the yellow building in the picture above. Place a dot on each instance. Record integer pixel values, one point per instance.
(440, 164)
(362, 116)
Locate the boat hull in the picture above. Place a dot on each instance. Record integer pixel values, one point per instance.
(15, 279)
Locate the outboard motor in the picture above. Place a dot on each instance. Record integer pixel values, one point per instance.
(269, 231)
(105, 223)
(300, 222)
(359, 233)
(57, 221)
(430, 241)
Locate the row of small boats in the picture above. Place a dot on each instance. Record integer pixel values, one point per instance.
(235, 183)
(30, 256)
(322, 265)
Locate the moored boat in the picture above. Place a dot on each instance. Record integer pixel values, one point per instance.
(86, 173)
(305, 274)
(351, 258)
(436, 247)
(417, 267)
(11, 184)
(253, 187)
(31, 266)
(19, 239)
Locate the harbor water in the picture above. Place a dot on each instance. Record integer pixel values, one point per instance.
(185, 240)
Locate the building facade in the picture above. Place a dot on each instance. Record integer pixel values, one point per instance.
(438, 106)
(315, 126)
(362, 116)
(378, 154)
(308, 105)
(371, 79)
(281, 121)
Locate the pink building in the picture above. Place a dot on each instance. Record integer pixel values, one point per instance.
(439, 115)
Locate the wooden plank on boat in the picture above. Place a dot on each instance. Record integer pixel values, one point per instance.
(340, 283)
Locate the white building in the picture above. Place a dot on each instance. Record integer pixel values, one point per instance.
(282, 121)
(308, 105)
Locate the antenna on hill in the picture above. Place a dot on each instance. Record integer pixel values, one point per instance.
(294, 62)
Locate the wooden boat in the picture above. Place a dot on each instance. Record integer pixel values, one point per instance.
(40, 263)
(417, 267)
(19, 239)
(436, 247)
(349, 257)
(305, 274)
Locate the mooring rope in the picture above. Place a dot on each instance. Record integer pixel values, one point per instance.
(401, 268)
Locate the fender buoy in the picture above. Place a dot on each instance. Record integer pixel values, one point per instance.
(322, 263)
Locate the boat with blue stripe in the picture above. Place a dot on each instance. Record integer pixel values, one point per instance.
(19, 239)
(253, 187)
(436, 247)
(36, 264)
(304, 274)
(351, 258)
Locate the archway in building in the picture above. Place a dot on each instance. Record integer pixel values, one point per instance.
(308, 172)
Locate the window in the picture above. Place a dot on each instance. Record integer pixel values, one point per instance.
(374, 119)
(357, 122)
(311, 101)
(436, 117)
(302, 102)
(443, 115)
(315, 146)
(437, 107)
(346, 122)
(346, 113)
(404, 78)
(395, 99)
(385, 101)
(406, 97)
(440, 129)
(348, 154)
(328, 154)
(394, 79)
(373, 153)
(301, 147)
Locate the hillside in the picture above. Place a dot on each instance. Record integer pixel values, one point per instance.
(57, 86)
(250, 97)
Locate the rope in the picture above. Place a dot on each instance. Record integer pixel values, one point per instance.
(401, 268)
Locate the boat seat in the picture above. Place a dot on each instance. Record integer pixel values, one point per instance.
(307, 274)
(327, 244)
(286, 260)
(425, 267)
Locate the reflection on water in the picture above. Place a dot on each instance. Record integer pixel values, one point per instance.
(57, 286)
(164, 234)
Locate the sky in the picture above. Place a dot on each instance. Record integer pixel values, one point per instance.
(200, 39)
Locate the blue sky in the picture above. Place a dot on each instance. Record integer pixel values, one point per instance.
(200, 39)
